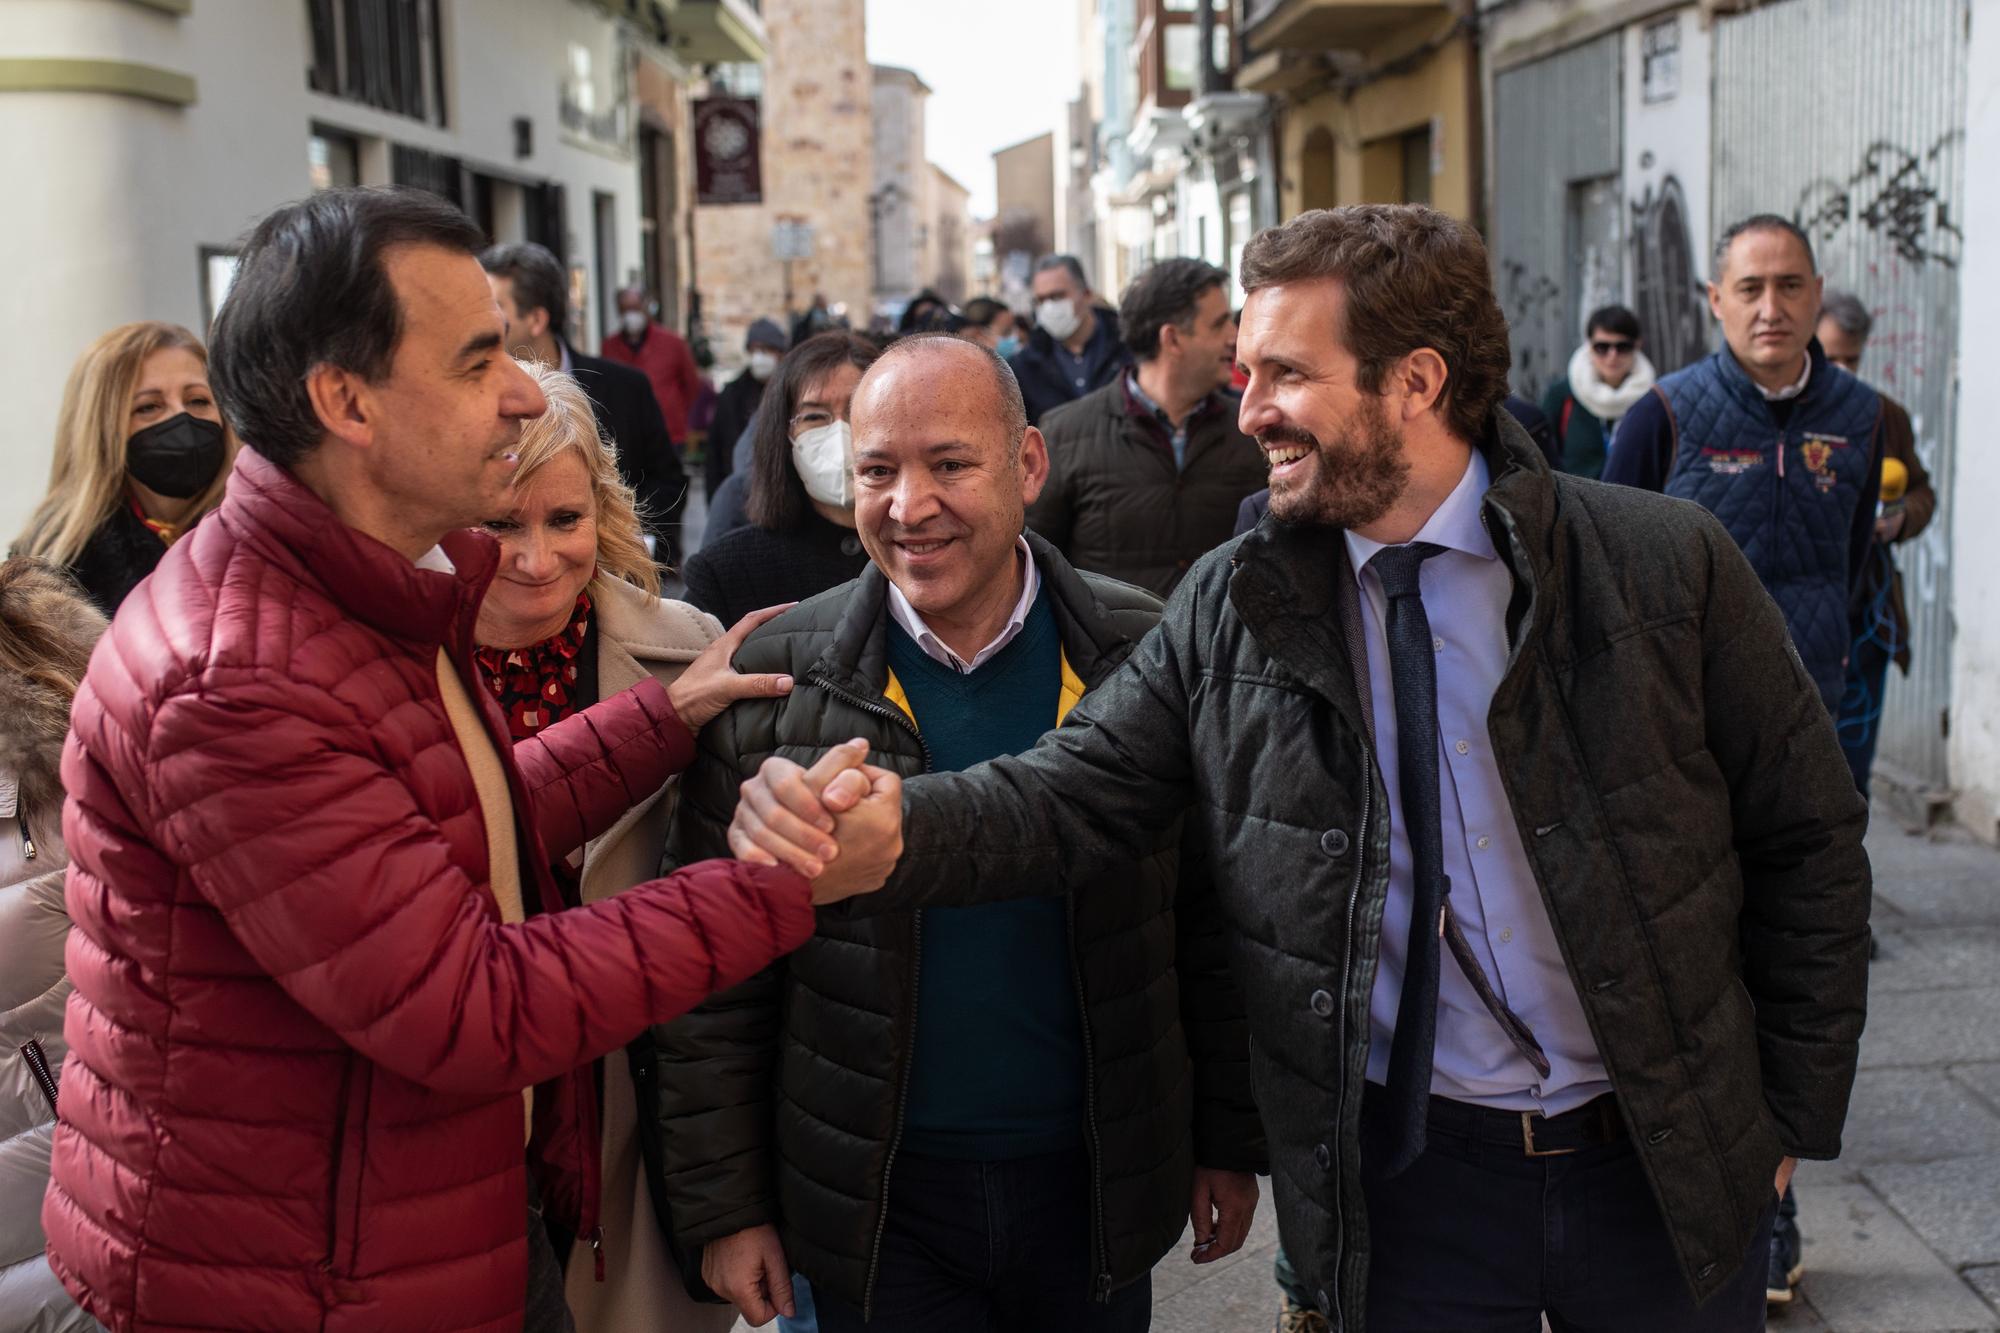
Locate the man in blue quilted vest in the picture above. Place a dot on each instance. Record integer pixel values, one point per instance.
(1785, 448)
(1778, 442)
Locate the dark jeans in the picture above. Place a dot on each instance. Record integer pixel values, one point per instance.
(989, 1247)
(1479, 1238)
(1861, 707)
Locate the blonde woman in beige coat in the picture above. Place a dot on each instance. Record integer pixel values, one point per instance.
(574, 615)
(47, 628)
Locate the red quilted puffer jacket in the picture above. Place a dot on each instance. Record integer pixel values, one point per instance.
(300, 1030)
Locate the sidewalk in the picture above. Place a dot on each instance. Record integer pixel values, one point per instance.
(1903, 1233)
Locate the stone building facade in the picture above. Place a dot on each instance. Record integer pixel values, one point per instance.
(818, 167)
(898, 201)
(950, 237)
(1024, 223)
(200, 118)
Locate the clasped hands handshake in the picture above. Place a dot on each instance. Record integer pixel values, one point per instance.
(838, 823)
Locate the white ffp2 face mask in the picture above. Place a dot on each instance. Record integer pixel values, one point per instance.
(633, 322)
(824, 457)
(762, 363)
(1058, 317)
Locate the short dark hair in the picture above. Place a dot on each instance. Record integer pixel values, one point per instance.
(778, 501)
(983, 310)
(1412, 277)
(1761, 222)
(1070, 262)
(1166, 293)
(311, 290)
(537, 277)
(1612, 319)
(1848, 314)
(925, 311)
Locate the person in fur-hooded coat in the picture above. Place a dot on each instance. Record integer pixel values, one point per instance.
(47, 629)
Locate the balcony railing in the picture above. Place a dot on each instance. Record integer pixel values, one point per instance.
(1276, 25)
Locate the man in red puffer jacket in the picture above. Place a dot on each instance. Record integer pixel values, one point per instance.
(307, 1003)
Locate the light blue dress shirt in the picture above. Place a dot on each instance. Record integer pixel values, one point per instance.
(1493, 892)
(1176, 435)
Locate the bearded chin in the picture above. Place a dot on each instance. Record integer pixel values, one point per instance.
(1355, 479)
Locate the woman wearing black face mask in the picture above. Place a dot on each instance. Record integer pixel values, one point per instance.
(141, 454)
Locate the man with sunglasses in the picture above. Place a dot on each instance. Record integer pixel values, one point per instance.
(1606, 376)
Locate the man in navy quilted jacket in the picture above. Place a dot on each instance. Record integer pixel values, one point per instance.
(1778, 442)
(1786, 449)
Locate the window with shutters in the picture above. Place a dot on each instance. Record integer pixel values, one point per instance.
(388, 54)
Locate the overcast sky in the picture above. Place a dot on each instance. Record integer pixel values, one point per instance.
(998, 73)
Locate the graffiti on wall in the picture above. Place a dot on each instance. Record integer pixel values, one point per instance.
(1533, 305)
(1667, 290)
(1901, 361)
(1895, 195)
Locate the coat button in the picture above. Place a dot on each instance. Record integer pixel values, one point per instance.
(1659, 1136)
(1323, 1157)
(1322, 1003)
(1707, 1270)
(1334, 842)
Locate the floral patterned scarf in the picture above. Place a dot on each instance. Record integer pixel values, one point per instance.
(537, 685)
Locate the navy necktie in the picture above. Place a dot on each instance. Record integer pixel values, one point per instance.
(1413, 668)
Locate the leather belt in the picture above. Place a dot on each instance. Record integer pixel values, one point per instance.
(1592, 1125)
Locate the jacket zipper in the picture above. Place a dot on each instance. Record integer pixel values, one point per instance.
(348, 1164)
(1100, 1247)
(1517, 635)
(900, 719)
(1337, 1314)
(1779, 508)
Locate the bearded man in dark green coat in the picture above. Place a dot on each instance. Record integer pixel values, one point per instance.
(1542, 869)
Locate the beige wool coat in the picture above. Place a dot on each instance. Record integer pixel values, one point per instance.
(637, 635)
(34, 926)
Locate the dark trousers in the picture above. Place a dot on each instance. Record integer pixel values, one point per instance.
(989, 1247)
(546, 1309)
(1861, 707)
(1477, 1237)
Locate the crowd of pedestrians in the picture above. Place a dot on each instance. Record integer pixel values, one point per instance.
(1100, 756)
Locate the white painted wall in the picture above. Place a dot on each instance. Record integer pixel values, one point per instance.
(113, 197)
(1975, 704)
(1667, 150)
(1199, 211)
(1671, 138)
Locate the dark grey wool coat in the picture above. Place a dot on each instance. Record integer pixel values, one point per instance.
(1674, 778)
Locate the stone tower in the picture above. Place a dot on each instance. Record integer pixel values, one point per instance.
(818, 168)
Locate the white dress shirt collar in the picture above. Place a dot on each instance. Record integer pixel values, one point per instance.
(1790, 390)
(1453, 525)
(934, 648)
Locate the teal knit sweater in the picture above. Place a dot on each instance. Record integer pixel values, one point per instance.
(997, 1070)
